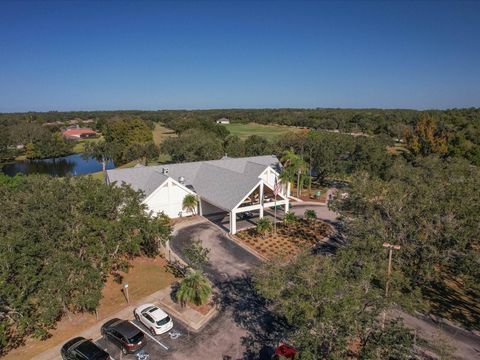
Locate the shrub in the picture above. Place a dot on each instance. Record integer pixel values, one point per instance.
(289, 218)
(310, 215)
(264, 225)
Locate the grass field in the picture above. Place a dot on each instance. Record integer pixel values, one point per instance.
(80, 144)
(271, 132)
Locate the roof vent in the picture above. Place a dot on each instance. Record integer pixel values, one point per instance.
(165, 170)
(181, 180)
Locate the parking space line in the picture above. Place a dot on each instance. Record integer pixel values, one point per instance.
(150, 336)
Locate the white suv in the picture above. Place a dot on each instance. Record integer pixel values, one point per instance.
(154, 318)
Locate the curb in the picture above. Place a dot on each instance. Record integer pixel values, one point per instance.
(313, 203)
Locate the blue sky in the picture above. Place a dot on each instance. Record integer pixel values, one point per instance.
(169, 55)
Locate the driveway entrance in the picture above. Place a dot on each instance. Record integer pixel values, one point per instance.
(228, 269)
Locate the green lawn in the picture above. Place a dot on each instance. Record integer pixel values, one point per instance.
(271, 132)
(80, 144)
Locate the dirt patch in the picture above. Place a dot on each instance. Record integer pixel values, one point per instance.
(288, 240)
(146, 276)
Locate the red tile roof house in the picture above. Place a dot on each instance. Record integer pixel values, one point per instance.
(77, 134)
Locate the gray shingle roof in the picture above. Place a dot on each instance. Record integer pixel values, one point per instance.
(224, 182)
(146, 179)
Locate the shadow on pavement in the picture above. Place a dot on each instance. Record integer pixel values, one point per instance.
(250, 311)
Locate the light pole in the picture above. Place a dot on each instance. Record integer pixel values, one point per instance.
(125, 289)
(390, 248)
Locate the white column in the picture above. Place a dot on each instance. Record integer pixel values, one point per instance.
(200, 211)
(261, 200)
(287, 205)
(233, 222)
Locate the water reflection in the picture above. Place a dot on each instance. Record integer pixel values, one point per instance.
(72, 165)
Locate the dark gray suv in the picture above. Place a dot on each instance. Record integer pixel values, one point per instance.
(125, 335)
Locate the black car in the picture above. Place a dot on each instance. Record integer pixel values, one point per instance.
(80, 348)
(125, 335)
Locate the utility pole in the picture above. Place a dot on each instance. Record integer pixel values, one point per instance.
(390, 248)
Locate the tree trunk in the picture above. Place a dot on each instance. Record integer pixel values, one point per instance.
(298, 184)
(104, 169)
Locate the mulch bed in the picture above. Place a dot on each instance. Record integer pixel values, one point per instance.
(288, 240)
(203, 309)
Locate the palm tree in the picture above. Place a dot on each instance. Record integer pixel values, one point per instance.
(294, 166)
(190, 203)
(194, 289)
(264, 225)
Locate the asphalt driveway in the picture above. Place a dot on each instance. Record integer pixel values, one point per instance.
(243, 329)
(227, 259)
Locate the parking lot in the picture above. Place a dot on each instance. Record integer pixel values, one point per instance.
(158, 346)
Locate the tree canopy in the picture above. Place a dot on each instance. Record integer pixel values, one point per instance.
(331, 309)
(194, 145)
(60, 238)
(430, 208)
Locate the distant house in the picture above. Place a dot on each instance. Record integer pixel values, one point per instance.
(223, 121)
(78, 133)
(226, 188)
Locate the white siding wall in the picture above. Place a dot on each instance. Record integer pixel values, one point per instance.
(269, 177)
(169, 199)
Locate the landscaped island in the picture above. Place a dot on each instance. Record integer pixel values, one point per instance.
(288, 240)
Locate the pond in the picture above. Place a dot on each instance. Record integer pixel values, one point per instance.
(67, 165)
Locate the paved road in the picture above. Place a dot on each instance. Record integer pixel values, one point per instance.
(464, 344)
(323, 212)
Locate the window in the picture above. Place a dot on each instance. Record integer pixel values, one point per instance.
(163, 321)
(116, 334)
(136, 338)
